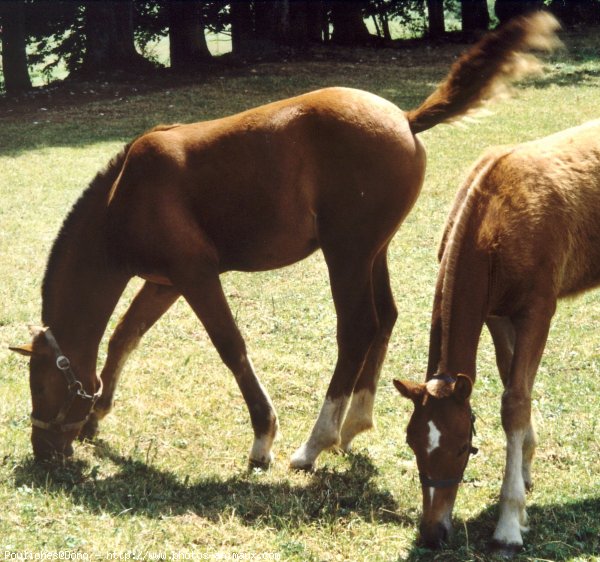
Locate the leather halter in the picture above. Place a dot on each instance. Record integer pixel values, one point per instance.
(470, 450)
(75, 388)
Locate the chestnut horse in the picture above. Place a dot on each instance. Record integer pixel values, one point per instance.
(523, 233)
(336, 169)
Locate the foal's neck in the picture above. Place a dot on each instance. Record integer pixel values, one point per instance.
(463, 288)
(81, 287)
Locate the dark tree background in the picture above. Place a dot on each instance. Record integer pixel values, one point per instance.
(14, 40)
(103, 38)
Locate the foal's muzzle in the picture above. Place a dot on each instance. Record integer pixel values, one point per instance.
(49, 445)
(435, 535)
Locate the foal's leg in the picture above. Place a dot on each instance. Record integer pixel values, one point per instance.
(360, 413)
(198, 280)
(351, 284)
(503, 334)
(531, 330)
(150, 303)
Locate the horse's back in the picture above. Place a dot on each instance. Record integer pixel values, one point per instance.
(259, 183)
(542, 209)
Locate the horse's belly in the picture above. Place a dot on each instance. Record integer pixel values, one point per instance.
(263, 256)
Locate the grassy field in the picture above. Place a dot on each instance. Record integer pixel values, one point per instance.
(168, 474)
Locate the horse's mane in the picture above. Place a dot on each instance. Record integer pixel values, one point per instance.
(91, 196)
(454, 236)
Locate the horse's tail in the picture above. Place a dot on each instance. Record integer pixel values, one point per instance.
(484, 71)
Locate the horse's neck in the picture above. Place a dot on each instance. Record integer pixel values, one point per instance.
(80, 288)
(461, 295)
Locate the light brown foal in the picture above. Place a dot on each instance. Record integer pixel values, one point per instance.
(523, 232)
(336, 169)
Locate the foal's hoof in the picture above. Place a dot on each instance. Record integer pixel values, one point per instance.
(308, 467)
(301, 460)
(505, 550)
(90, 430)
(260, 464)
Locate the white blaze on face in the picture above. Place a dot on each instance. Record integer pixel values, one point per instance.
(433, 442)
(433, 437)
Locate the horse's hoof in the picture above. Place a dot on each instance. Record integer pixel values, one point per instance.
(303, 460)
(259, 464)
(89, 431)
(307, 467)
(505, 550)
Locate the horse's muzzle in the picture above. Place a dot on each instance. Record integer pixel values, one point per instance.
(435, 535)
(49, 445)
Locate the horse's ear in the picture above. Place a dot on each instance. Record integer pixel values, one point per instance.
(29, 349)
(462, 388)
(26, 349)
(411, 390)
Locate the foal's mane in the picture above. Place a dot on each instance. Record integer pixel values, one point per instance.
(92, 200)
(454, 238)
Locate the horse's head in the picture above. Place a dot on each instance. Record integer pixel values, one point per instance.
(440, 432)
(60, 403)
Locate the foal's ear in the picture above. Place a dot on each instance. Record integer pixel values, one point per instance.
(462, 388)
(26, 349)
(412, 390)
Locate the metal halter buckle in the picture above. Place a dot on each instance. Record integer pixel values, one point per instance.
(63, 363)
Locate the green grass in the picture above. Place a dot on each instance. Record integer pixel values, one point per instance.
(169, 471)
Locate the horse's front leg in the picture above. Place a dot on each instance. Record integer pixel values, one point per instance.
(198, 279)
(531, 331)
(150, 303)
(503, 335)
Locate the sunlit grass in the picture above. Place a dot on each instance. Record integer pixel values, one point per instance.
(169, 472)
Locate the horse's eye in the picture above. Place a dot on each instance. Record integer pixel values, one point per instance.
(464, 449)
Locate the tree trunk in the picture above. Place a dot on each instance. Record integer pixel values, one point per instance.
(187, 42)
(349, 27)
(242, 27)
(316, 21)
(573, 12)
(507, 9)
(109, 40)
(435, 10)
(474, 15)
(14, 56)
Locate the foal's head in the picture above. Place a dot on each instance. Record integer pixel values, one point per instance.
(440, 432)
(60, 404)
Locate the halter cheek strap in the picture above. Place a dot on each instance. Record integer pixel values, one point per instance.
(75, 388)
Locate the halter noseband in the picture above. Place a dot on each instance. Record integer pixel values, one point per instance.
(470, 450)
(75, 388)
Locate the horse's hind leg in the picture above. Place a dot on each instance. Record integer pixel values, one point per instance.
(198, 280)
(351, 284)
(531, 331)
(360, 413)
(150, 303)
(503, 335)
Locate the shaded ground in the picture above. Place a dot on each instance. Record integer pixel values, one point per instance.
(69, 92)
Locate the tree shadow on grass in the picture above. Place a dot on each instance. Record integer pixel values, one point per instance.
(558, 532)
(137, 488)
